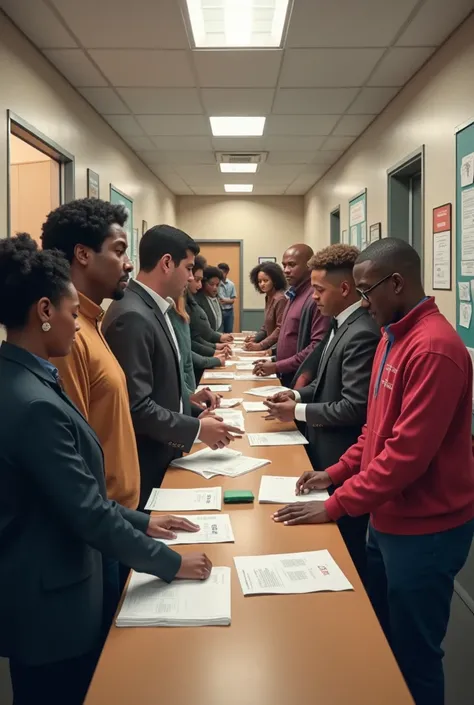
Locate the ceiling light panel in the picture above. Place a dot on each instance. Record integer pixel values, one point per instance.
(237, 126)
(237, 23)
(238, 168)
(238, 188)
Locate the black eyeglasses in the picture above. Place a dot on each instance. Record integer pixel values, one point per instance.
(365, 294)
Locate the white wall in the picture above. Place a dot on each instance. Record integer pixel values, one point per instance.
(427, 111)
(266, 224)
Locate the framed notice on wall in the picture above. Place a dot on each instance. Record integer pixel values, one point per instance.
(92, 184)
(358, 220)
(442, 247)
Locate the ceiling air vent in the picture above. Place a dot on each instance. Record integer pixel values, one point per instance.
(241, 157)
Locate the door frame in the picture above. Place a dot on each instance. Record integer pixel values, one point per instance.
(220, 241)
(22, 129)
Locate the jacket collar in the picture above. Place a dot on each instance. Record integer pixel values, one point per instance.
(135, 288)
(426, 307)
(22, 357)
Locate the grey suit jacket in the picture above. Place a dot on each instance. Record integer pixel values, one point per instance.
(203, 302)
(139, 337)
(203, 337)
(337, 398)
(56, 520)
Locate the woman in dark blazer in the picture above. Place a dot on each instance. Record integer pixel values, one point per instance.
(208, 298)
(55, 519)
(268, 279)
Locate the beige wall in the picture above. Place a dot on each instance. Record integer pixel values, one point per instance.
(266, 224)
(34, 90)
(427, 111)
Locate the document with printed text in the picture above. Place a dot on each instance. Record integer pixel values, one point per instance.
(215, 387)
(229, 403)
(213, 528)
(250, 406)
(225, 461)
(253, 378)
(195, 500)
(275, 489)
(218, 375)
(267, 391)
(280, 438)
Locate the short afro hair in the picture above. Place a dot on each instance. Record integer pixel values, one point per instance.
(224, 267)
(274, 271)
(200, 262)
(210, 273)
(391, 255)
(85, 221)
(335, 258)
(28, 274)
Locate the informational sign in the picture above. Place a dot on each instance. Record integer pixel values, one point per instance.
(442, 247)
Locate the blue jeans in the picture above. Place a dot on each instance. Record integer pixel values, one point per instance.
(227, 320)
(410, 584)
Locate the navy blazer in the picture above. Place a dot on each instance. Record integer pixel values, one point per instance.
(56, 520)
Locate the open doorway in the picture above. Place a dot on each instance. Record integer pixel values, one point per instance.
(406, 199)
(335, 226)
(229, 251)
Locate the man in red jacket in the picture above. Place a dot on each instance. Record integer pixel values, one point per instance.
(412, 467)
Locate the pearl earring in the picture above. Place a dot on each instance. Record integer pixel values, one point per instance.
(46, 327)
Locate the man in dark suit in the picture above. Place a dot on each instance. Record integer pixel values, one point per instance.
(333, 399)
(140, 334)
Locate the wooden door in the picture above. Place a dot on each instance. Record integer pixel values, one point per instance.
(216, 252)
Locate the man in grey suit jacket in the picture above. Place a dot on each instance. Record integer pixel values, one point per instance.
(332, 385)
(141, 336)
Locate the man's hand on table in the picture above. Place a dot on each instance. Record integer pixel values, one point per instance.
(227, 338)
(194, 566)
(264, 368)
(164, 527)
(206, 398)
(302, 513)
(282, 411)
(215, 433)
(313, 480)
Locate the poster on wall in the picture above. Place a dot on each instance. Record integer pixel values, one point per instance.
(442, 247)
(358, 220)
(119, 198)
(357, 212)
(375, 232)
(92, 184)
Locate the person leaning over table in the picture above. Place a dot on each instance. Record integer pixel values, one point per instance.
(268, 279)
(412, 467)
(55, 519)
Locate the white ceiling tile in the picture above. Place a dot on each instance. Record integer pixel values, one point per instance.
(196, 143)
(182, 157)
(161, 101)
(42, 26)
(238, 144)
(435, 20)
(289, 157)
(145, 67)
(313, 101)
(328, 156)
(304, 182)
(337, 143)
(76, 67)
(237, 69)
(372, 101)
(105, 100)
(199, 173)
(352, 125)
(268, 190)
(328, 68)
(237, 101)
(174, 182)
(399, 65)
(125, 125)
(118, 23)
(294, 143)
(281, 173)
(201, 190)
(297, 189)
(174, 124)
(140, 143)
(300, 124)
(342, 23)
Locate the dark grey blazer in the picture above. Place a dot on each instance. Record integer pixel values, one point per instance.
(337, 397)
(203, 302)
(139, 337)
(56, 521)
(203, 337)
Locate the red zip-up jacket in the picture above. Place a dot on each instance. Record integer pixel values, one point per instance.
(412, 467)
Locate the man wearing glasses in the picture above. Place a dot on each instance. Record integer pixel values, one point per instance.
(412, 468)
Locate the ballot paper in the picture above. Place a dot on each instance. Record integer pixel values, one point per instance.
(290, 573)
(225, 461)
(249, 359)
(268, 391)
(253, 378)
(250, 406)
(280, 438)
(195, 500)
(275, 489)
(218, 375)
(245, 366)
(229, 363)
(215, 387)
(213, 528)
(229, 403)
(237, 351)
(233, 417)
(150, 602)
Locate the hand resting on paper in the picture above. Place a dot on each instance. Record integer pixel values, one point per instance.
(284, 411)
(215, 433)
(194, 566)
(164, 527)
(205, 398)
(313, 480)
(302, 513)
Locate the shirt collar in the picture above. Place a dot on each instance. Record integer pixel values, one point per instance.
(48, 366)
(344, 315)
(163, 304)
(89, 309)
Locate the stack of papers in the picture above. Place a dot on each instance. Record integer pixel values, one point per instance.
(290, 573)
(209, 463)
(237, 351)
(150, 602)
(254, 378)
(245, 366)
(281, 490)
(229, 363)
(213, 528)
(215, 387)
(280, 438)
(232, 417)
(250, 406)
(195, 500)
(268, 391)
(229, 403)
(218, 375)
(250, 359)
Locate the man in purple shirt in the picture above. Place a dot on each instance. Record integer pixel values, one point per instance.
(303, 326)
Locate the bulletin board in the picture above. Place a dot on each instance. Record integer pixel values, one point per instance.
(119, 198)
(465, 234)
(358, 220)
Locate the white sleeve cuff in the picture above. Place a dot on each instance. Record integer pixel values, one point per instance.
(300, 412)
(297, 395)
(199, 431)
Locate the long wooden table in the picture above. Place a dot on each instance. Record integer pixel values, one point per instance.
(321, 648)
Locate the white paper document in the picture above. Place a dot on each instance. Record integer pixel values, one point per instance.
(467, 170)
(253, 378)
(195, 500)
(275, 489)
(229, 363)
(251, 359)
(363, 235)
(233, 417)
(244, 366)
(442, 260)
(229, 403)
(237, 351)
(280, 438)
(467, 224)
(150, 602)
(251, 406)
(290, 573)
(213, 528)
(225, 461)
(267, 391)
(354, 236)
(218, 375)
(215, 387)
(465, 315)
(467, 269)
(464, 291)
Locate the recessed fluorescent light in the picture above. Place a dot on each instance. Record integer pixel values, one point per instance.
(237, 126)
(237, 23)
(238, 188)
(238, 168)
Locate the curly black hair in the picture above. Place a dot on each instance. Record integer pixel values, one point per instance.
(274, 271)
(27, 274)
(210, 273)
(200, 262)
(85, 221)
